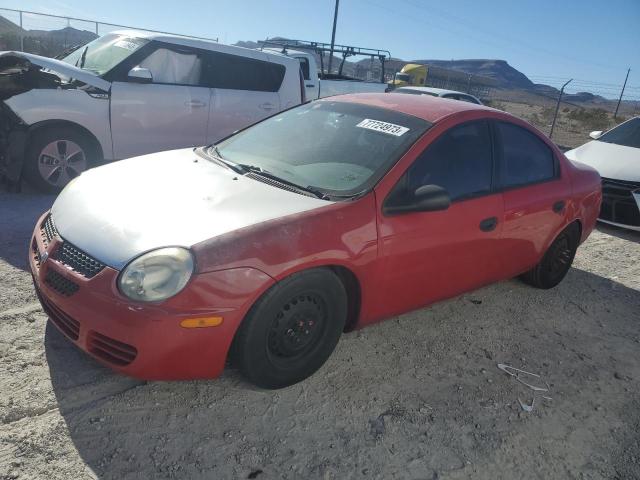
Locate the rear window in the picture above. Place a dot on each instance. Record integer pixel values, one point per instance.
(235, 72)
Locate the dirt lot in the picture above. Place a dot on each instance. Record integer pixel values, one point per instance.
(416, 397)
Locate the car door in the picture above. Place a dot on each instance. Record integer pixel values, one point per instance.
(169, 112)
(244, 90)
(535, 194)
(434, 255)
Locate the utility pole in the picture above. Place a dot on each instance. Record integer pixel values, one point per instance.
(21, 34)
(333, 34)
(558, 106)
(621, 93)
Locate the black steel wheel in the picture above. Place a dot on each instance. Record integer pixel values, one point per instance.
(292, 329)
(557, 260)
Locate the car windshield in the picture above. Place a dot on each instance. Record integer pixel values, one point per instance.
(403, 77)
(626, 134)
(104, 53)
(338, 148)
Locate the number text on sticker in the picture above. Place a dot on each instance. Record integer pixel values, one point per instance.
(384, 127)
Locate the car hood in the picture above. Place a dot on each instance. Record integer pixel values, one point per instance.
(176, 198)
(610, 160)
(9, 59)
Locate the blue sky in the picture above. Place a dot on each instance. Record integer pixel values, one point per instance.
(591, 41)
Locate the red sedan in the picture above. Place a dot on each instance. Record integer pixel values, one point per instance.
(324, 218)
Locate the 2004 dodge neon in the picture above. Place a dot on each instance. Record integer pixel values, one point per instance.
(324, 218)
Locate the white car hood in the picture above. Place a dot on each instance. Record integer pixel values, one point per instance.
(65, 69)
(610, 160)
(176, 198)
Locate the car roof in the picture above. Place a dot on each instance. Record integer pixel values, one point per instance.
(438, 91)
(200, 43)
(426, 107)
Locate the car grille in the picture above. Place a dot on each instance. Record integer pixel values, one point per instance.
(110, 350)
(66, 324)
(36, 254)
(78, 260)
(48, 230)
(618, 203)
(68, 254)
(60, 284)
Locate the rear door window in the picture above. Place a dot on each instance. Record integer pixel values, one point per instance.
(235, 72)
(460, 161)
(524, 158)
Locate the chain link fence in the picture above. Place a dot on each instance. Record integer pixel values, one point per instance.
(51, 35)
(578, 113)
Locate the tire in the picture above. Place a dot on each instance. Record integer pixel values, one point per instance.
(556, 261)
(47, 165)
(292, 329)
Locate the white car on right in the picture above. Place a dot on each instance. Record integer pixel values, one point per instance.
(616, 156)
(439, 92)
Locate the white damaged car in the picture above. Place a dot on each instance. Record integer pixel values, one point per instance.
(616, 156)
(130, 93)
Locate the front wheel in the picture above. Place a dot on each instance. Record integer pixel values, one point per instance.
(556, 261)
(55, 156)
(292, 329)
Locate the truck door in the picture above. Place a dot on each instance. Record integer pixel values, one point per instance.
(310, 76)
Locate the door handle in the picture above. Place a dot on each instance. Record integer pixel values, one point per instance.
(488, 224)
(309, 85)
(558, 207)
(195, 103)
(267, 106)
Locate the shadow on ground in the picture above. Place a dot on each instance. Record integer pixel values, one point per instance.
(619, 232)
(419, 394)
(18, 216)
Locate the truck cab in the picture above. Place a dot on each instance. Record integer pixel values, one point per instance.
(412, 74)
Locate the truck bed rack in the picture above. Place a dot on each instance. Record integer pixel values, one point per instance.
(321, 48)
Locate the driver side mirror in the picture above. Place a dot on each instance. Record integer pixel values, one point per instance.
(596, 134)
(140, 75)
(427, 198)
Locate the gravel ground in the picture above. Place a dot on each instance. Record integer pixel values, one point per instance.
(416, 397)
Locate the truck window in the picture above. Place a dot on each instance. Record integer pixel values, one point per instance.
(304, 65)
(235, 72)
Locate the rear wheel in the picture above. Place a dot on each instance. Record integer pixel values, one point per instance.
(292, 329)
(55, 156)
(557, 260)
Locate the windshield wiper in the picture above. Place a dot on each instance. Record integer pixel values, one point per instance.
(265, 173)
(214, 154)
(84, 56)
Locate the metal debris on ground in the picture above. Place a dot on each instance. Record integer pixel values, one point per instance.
(518, 374)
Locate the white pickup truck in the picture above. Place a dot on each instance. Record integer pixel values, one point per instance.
(317, 82)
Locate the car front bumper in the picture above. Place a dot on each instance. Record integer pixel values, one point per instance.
(620, 203)
(144, 341)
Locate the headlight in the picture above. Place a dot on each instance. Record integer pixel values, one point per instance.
(156, 275)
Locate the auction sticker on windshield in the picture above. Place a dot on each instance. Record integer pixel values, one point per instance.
(384, 127)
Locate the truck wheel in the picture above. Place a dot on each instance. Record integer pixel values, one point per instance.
(556, 261)
(57, 155)
(292, 329)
